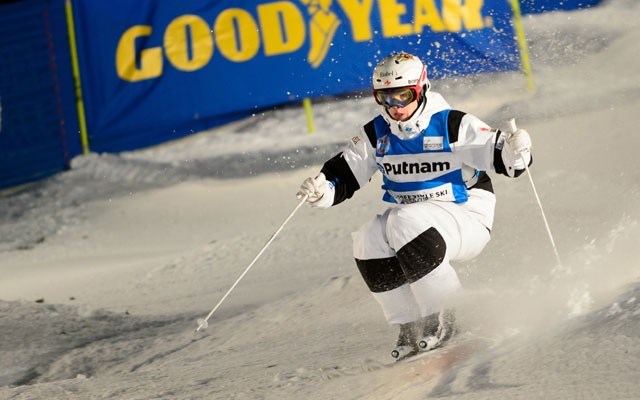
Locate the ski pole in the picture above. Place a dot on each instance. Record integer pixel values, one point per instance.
(203, 322)
(514, 128)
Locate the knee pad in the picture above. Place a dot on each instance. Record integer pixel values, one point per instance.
(381, 274)
(422, 255)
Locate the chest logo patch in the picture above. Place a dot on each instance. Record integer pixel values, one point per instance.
(433, 143)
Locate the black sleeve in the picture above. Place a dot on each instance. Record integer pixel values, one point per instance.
(453, 127)
(337, 171)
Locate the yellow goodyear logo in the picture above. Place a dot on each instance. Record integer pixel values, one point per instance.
(283, 27)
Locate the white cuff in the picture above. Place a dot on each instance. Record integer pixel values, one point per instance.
(326, 200)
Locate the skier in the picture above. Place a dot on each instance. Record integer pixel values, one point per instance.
(433, 161)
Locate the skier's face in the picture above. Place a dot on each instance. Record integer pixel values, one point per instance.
(402, 113)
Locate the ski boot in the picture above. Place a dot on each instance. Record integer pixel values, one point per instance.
(407, 342)
(437, 328)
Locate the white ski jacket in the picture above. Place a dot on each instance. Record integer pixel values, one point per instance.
(439, 154)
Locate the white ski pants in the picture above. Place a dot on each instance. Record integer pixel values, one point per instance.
(404, 254)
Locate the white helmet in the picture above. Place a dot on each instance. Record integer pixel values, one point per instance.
(401, 70)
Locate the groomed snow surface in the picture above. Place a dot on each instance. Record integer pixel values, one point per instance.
(106, 268)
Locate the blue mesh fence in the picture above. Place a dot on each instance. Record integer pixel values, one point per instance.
(38, 132)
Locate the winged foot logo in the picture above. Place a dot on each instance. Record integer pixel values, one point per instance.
(322, 26)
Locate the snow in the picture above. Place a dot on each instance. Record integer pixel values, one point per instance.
(106, 268)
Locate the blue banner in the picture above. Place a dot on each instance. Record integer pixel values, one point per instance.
(158, 70)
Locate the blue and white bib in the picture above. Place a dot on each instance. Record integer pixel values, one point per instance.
(420, 168)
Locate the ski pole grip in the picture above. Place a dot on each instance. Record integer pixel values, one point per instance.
(512, 125)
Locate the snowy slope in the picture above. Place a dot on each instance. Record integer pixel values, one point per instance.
(127, 251)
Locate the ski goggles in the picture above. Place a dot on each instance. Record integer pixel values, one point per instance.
(400, 97)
